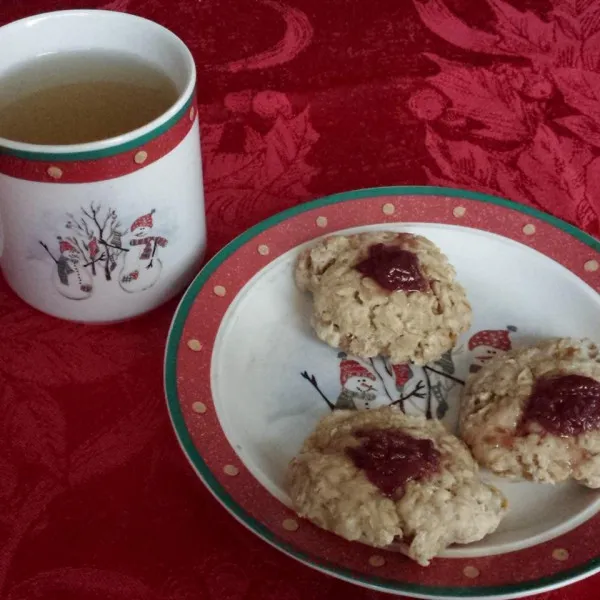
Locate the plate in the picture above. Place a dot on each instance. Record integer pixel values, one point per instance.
(246, 380)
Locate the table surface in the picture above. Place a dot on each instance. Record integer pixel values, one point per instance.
(298, 99)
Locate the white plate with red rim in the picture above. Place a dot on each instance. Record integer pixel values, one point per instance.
(246, 380)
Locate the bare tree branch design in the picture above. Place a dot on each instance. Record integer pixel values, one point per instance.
(428, 413)
(442, 374)
(97, 226)
(381, 379)
(313, 381)
(48, 251)
(417, 392)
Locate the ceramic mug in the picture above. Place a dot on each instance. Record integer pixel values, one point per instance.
(107, 230)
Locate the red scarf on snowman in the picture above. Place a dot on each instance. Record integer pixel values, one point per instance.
(146, 253)
(149, 242)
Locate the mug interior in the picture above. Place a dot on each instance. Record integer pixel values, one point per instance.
(89, 30)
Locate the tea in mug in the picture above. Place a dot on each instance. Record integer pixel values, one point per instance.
(80, 97)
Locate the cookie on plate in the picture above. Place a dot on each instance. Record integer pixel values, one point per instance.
(384, 293)
(534, 413)
(381, 477)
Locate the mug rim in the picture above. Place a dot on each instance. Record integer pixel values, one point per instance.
(116, 144)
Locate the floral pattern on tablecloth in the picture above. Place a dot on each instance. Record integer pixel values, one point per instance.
(297, 99)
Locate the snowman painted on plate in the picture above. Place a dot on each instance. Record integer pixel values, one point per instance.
(142, 267)
(361, 388)
(488, 344)
(71, 278)
(359, 391)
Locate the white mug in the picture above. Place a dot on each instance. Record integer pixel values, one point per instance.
(108, 230)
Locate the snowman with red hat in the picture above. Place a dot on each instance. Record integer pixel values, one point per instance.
(70, 277)
(359, 387)
(142, 267)
(488, 344)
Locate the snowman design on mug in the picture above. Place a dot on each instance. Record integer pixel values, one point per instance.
(98, 247)
(70, 277)
(142, 267)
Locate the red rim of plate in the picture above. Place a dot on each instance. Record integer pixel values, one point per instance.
(552, 564)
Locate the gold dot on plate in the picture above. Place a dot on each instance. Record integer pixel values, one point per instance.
(54, 172)
(459, 212)
(321, 221)
(388, 209)
(591, 266)
(219, 290)
(560, 554)
(231, 470)
(194, 345)
(192, 113)
(199, 407)
(263, 249)
(471, 572)
(376, 560)
(290, 525)
(140, 157)
(529, 229)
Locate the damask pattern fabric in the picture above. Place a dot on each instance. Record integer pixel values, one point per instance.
(298, 99)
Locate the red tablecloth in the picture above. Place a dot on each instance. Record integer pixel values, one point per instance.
(299, 99)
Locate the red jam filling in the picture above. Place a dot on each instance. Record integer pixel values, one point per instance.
(565, 405)
(394, 269)
(390, 459)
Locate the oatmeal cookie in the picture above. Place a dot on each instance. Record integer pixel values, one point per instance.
(534, 413)
(384, 293)
(382, 477)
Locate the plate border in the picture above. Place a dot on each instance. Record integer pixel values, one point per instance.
(177, 419)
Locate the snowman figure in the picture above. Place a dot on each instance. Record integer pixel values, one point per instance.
(142, 267)
(488, 344)
(358, 390)
(70, 277)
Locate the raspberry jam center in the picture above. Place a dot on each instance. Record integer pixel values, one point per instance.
(565, 405)
(391, 458)
(394, 269)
